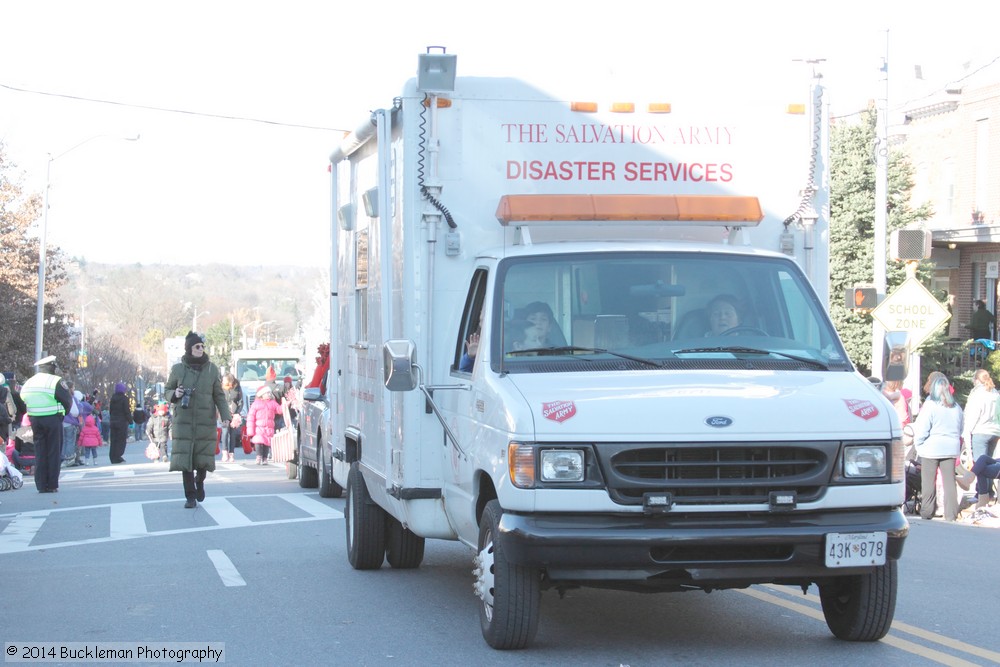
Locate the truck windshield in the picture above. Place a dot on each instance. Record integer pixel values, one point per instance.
(250, 370)
(641, 310)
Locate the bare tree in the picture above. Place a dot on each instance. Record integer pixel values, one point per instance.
(19, 248)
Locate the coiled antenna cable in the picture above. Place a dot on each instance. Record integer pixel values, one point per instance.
(420, 167)
(810, 189)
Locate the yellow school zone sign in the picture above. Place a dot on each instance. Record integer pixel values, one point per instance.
(911, 308)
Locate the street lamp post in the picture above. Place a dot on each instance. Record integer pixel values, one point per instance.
(40, 310)
(83, 324)
(194, 319)
(256, 326)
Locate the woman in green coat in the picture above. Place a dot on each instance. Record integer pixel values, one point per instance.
(195, 389)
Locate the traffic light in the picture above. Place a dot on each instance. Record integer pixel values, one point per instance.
(860, 297)
(81, 358)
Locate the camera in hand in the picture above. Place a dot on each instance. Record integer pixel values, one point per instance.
(186, 398)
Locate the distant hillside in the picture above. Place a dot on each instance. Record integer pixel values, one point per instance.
(126, 301)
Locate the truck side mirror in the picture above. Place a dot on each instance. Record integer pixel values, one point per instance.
(399, 363)
(896, 355)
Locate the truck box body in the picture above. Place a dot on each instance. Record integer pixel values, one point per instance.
(632, 442)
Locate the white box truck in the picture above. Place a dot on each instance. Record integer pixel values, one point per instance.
(590, 342)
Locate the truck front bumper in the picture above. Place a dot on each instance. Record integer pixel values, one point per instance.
(689, 551)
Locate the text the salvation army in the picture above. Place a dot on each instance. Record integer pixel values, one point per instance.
(601, 133)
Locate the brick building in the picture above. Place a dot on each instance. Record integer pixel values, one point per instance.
(953, 140)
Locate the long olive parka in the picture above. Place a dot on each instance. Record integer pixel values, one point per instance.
(193, 430)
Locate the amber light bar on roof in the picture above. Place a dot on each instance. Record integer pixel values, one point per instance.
(704, 209)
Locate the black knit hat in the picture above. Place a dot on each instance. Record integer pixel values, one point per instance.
(190, 341)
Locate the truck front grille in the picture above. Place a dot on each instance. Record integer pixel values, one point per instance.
(716, 473)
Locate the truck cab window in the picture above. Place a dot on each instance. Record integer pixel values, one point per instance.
(471, 327)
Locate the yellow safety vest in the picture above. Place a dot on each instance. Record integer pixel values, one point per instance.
(39, 395)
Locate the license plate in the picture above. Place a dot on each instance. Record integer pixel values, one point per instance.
(854, 549)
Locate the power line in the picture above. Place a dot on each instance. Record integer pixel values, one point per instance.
(187, 112)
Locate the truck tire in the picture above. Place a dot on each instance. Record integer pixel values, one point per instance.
(365, 522)
(860, 608)
(510, 595)
(403, 549)
(307, 477)
(327, 487)
(291, 470)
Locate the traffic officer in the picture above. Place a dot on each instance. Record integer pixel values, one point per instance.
(48, 400)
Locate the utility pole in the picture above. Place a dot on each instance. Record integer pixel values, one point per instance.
(880, 226)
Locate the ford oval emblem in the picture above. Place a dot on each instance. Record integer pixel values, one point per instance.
(719, 421)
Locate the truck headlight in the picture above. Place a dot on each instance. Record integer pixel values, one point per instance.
(562, 465)
(864, 461)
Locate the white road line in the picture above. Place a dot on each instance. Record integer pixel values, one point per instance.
(224, 513)
(227, 571)
(314, 507)
(890, 640)
(899, 626)
(127, 521)
(18, 534)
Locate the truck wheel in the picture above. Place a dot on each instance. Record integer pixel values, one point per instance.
(860, 608)
(327, 487)
(291, 470)
(403, 549)
(307, 477)
(510, 595)
(365, 523)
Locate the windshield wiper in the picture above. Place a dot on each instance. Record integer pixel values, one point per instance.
(752, 350)
(591, 350)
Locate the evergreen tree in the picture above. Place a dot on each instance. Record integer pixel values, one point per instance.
(852, 220)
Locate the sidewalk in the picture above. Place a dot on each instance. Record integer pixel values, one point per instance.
(988, 517)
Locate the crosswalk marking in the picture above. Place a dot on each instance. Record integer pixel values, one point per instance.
(227, 571)
(19, 533)
(128, 520)
(225, 513)
(314, 507)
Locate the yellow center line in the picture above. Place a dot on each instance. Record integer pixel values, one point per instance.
(926, 635)
(909, 647)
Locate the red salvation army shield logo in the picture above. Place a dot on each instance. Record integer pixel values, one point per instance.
(864, 409)
(558, 411)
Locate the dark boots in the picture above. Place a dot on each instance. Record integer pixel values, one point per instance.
(194, 487)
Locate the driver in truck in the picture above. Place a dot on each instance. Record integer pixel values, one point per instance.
(723, 314)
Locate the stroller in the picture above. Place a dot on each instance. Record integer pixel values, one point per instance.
(911, 505)
(911, 467)
(10, 477)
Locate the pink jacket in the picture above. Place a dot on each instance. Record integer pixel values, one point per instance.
(90, 435)
(260, 420)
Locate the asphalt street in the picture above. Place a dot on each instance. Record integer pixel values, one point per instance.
(260, 568)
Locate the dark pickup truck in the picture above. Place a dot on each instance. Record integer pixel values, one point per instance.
(312, 462)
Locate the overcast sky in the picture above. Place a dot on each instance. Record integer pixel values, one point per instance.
(239, 103)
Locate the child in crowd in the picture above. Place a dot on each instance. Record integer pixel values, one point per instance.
(158, 429)
(260, 422)
(24, 445)
(90, 439)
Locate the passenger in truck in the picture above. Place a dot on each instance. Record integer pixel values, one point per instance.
(522, 335)
(540, 314)
(468, 359)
